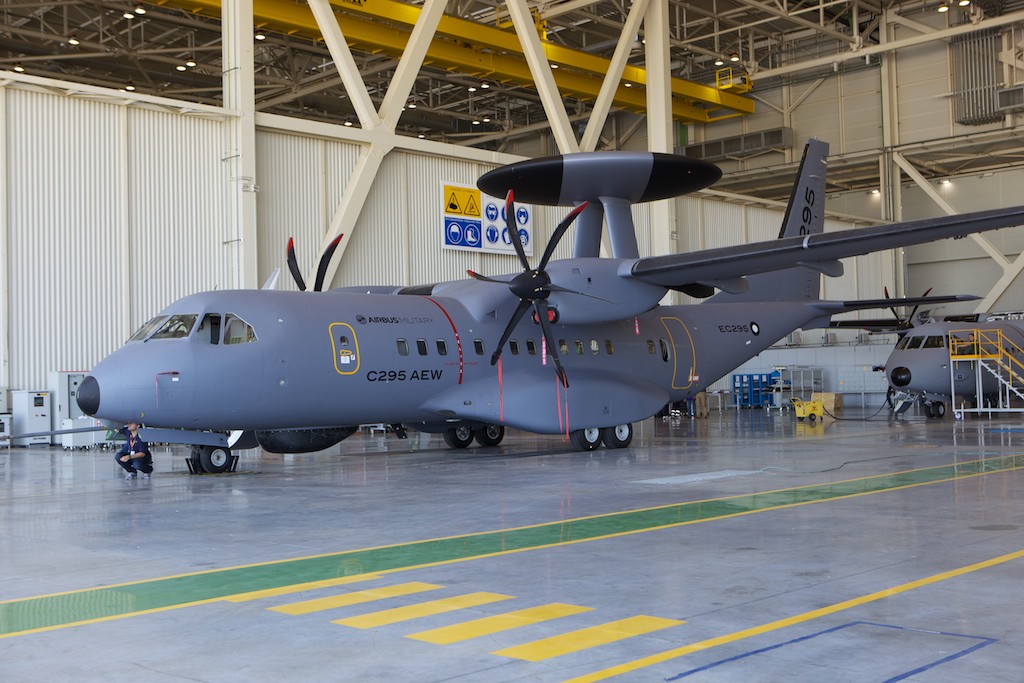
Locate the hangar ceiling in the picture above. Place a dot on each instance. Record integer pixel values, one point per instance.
(474, 88)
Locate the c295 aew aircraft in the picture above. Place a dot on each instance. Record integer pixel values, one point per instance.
(576, 346)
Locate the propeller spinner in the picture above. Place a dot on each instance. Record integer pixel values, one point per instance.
(533, 286)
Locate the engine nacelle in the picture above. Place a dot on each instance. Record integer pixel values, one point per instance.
(302, 440)
(604, 293)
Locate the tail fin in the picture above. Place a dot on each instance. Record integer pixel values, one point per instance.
(805, 215)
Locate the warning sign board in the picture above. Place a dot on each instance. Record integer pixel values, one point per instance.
(474, 221)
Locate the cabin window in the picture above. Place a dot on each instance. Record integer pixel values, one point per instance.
(579, 347)
(650, 346)
(237, 331)
(421, 346)
(531, 347)
(442, 347)
(209, 329)
(609, 347)
(934, 342)
(915, 342)
(403, 347)
(595, 348)
(148, 328)
(563, 347)
(664, 350)
(176, 327)
(902, 343)
(478, 346)
(513, 347)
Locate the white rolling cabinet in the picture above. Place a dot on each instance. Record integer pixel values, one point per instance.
(31, 414)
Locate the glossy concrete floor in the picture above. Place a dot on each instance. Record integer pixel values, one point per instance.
(744, 547)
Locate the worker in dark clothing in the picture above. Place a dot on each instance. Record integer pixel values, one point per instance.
(134, 455)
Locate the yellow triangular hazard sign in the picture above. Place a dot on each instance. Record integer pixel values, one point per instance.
(472, 209)
(453, 204)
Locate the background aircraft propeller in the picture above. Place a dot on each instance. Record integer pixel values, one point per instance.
(908, 322)
(321, 271)
(533, 286)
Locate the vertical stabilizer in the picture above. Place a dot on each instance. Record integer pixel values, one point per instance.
(805, 215)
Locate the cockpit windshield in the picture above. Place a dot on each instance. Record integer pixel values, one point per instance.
(176, 327)
(932, 341)
(148, 328)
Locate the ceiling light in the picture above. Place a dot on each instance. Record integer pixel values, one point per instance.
(19, 68)
(260, 35)
(472, 88)
(944, 7)
(476, 122)
(411, 105)
(139, 9)
(964, 3)
(73, 39)
(945, 181)
(733, 57)
(875, 192)
(181, 67)
(348, 123)
(484, 85)
(628, 84)
(487, 119)
(191, 62)
(421, 136)
(129, 86)
(128, 14)
(719, 61)
(554, 66)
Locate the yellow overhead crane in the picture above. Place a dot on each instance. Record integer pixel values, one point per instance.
(481, 51)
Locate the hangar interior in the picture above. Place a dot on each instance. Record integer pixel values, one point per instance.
(151, 150)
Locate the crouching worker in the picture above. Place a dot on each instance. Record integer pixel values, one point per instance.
(134, 454)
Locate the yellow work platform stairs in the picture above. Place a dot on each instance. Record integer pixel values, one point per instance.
(990, 355)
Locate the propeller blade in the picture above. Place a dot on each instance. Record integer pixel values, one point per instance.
(542, 315)
(913, 311)
(513, 232)
(556, 236)
(559, 288)
(885, 291)
(513, 321)
(325, 261)
(484, 278)
(293, 266)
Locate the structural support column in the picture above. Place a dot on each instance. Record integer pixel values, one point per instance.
(5, 278)
(659, 119)
(240, 157)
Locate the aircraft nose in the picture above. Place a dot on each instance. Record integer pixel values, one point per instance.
(900, 376)
(88, 395)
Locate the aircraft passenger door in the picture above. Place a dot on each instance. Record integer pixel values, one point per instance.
(345, 348)
(683, 353)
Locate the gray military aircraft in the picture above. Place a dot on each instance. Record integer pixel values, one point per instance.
(975, 358)
(300, 371)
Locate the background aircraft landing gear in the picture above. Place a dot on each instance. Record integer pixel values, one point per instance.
(936, 409)
(459, 437)
(585, 439)
(618, 436)
(211, 459)
(490, 435)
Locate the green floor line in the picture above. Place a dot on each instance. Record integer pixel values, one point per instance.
(56, 611)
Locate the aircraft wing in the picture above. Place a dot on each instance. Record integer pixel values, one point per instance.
(820, 252)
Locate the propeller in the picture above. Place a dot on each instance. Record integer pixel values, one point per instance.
(533, 286)
(321, 271)
(909, 320)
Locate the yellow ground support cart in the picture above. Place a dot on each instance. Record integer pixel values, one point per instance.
(809, 409)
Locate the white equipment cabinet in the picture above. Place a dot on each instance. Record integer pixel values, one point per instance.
(5, 430)
(31, 414)
(63, 387)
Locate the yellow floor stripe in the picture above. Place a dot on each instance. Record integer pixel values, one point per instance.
(574, 641)
(355, 598)
(790, 621)
(423, 609)
(485, 626)
(299, 587)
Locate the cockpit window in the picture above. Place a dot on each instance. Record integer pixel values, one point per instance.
(237, 331)
(148, 328)
(934, 342)
(902, 343)
(915, 342)
(209, 329)
(176, 327)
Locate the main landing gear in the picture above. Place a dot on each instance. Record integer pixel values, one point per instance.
(463, 435)
(211, 460)
(619, 436)
(935, 409)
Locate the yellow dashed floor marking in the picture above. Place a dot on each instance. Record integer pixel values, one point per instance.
(585, 638)
(356, 598)
(299, 587)
(423, 609)
(485, 626)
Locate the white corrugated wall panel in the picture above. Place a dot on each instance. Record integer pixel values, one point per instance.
(723, 224)
(64, 157)
(291, 174)
(178, 193)
(763, 224)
